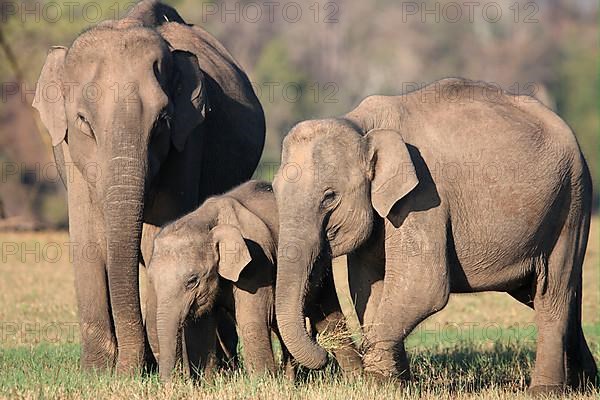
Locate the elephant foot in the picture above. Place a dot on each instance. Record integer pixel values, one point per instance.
(349, 361)
(98, 358)
(379, 379)
(352, 371)
(131, 362)
(289, 372)
(386, 363)
(105, 365)
(546, 390)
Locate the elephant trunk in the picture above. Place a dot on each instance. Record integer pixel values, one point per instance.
(123, 212)
(296, 256)
(169, 328)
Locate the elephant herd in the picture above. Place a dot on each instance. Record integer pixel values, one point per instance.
(426, 195)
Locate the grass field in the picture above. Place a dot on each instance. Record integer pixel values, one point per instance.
(479, 346)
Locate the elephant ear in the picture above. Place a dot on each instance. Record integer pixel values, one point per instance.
(49, 99)
(189, 97)
(392, 170)
(232, 250)
(241, 224)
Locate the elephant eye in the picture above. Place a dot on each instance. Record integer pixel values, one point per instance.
(192, 282)
(328, 198)
(84, 125)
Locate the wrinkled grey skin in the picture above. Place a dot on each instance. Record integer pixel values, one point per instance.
(222, 258)
(150, 116)
(453, 188)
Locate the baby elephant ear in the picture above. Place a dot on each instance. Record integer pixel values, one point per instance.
(393, 173)
(232, 250)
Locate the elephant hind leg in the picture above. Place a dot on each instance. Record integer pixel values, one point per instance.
(583, 372)
(563, 357)
(581, 365)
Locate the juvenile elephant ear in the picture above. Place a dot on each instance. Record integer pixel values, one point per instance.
(392, 170)
(232, 250)
(189, 97)
(49, 99)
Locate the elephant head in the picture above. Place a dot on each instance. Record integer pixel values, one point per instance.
(117, 101)
(190, 256)
(331, 179)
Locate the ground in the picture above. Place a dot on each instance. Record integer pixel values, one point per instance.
(480, 346)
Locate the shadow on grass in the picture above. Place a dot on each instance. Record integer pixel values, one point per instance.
(464, 368)
(474, 368)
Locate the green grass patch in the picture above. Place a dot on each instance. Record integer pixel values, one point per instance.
(478, 369)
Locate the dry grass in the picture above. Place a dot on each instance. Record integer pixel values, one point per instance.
(480, 346)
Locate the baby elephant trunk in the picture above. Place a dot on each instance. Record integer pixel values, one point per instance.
(169, 328)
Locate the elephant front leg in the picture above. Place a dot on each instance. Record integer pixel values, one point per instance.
(152, 351)
(416, 285)
(98, 340)
(227, 340)
(326, 315)
(365, 281)
(199, 346)
(254, 318)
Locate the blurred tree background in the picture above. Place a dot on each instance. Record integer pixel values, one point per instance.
(316, 59)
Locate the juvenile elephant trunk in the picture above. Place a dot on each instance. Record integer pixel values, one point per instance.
(123, 213)
(295, 261)
(169, 340)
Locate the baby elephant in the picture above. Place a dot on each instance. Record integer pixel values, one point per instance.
(222, 256)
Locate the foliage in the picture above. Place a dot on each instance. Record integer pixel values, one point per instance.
(577, 97)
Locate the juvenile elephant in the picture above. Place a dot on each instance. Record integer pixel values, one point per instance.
(223, 256)
(145, 114)
(452, 188)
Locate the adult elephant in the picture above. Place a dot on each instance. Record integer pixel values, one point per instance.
(452, 188)
(148, 117)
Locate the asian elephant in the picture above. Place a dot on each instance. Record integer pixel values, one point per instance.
(148, 117)
(223, 256)
(456, 187)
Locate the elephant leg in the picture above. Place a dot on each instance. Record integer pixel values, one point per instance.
(365, 280)
(98, 340)
(326, 316)
(227, 339)
(254, 319)
(287, 361)
(563, 356)
(199, 342)
(583, 372)
(152, 351)
(416, 285)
